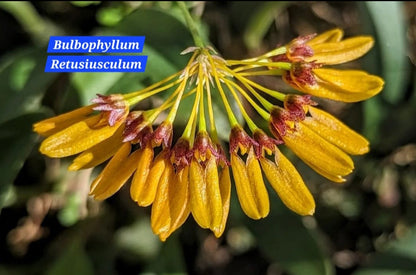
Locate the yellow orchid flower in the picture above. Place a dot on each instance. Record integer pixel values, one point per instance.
(308, 74)
(288, 184)
(320, 140)
(251, 191)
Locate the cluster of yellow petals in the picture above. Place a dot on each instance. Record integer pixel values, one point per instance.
(202, 187)
(342, 85)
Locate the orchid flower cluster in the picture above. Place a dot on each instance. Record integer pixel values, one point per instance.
(192, 174)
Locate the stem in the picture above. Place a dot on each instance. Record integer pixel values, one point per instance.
(247, 118)
(39, 29)
(259, 110)
(231, 117)
(182, 86)
(187, 133)
(134, 100)
(213, 129)
(151, 87)
(191, 25)
(202, 123)
(275, 72)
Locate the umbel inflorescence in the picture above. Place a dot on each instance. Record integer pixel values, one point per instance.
(191, 174)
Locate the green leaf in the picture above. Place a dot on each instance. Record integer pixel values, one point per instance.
(73, 260)
(164, 33)
(374, 114)
(16, 142)
(146, 247)
(110, 16)
(260, 21)
(84, 3)
(23, 83)
(283, 238)
(388, 19)
(399, 257)
(90, 84)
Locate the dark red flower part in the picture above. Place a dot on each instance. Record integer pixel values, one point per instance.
(265, 142)
(181, 154)
(278, 118)
(203, 146)
(280, 58)
(295, 105)
(163, 135)
(221, 157)
(239, 139)
(114, 106)
(298, 49)
(302, 73)
(137, 129)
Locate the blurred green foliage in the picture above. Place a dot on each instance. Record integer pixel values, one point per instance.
(48, 225)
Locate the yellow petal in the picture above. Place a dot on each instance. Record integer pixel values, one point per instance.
(213, 193)
(205, 196)
(147, 197)
(332, 53)
(55, 124)
(160, 219)
(344, 85)
(242, 186)
(288, 184)
(179, 205)
(257, 184)
(225, 189)
(138, 184)
(336, 132)
(119, 157)
(98, 153)
(248, 191)
(317, 152)
(334, 35)
(326, 174)
(115, 174)
(351, 81)
(198, 194)
(77, 138)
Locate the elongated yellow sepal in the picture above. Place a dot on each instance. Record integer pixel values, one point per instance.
(343, 51)
(336, 132)
(225, 189)
(327, 174)
(257, 184)
(334, 35)
(206, 205)
(351, 81)
(98, 153)
(344, 85)
(55, 124)
(148, 194)
(251, 192)
(77, 138)
(160, 219)
(115, 174)
(317, 152)
(288, 184)
(138, 184)
(179, 204)
(214, 202)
